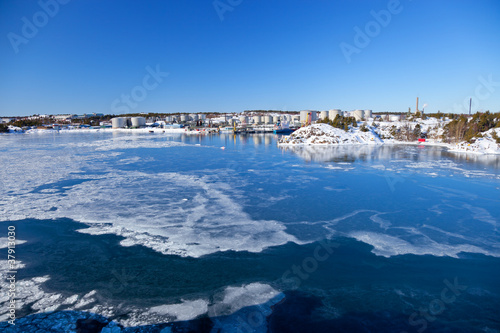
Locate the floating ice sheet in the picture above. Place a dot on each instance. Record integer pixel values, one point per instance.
(194, 213)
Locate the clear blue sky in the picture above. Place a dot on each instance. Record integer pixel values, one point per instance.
(264, 54)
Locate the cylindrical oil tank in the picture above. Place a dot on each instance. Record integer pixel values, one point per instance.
(323, 115)
(257, 119)
(231, 121)
(368, 114)
(202, 116)
(168, 119)
(334, 113)
(276, 119)
(358, 115)
(244, 119)
(138, 122)
(184, 118)
(120, 122)
(268, 119)
(195, 117)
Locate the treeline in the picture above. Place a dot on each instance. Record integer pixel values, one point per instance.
(406, 132)
(4, 128)
(31, 122)
(463, 129)
(340, 122)
(93, 121)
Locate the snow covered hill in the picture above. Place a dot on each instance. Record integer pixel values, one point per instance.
(324, 134)
(485, 145)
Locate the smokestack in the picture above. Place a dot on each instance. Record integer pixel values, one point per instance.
(417, 106)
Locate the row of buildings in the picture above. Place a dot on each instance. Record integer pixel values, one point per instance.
(246, 119)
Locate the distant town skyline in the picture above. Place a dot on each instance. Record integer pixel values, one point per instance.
(69, 57)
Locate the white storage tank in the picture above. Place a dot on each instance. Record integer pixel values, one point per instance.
(334, 113)
(276, 119)
(244, 119)
(268, 119)
(358, 115)
(119, 122)
(195, 117)
(137, 122)
(368, 114)
(184, 118)
(323, 115)
(202, 116)
(257, 119)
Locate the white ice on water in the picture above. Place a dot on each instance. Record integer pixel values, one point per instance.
(388, 246)
(171, 212)
(189, 214)
(224, 302)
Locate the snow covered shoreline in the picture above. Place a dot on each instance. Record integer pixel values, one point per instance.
(485, 145)
(115, 130)
(323, 135)
(104, 130)
(326, 135)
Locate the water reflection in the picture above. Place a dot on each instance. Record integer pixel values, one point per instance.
(387, 153)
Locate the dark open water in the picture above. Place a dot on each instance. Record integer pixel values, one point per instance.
(181, 235)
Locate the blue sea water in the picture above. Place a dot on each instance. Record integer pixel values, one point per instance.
(223, 233)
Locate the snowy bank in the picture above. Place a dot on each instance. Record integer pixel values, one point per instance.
(485, 145)
(324, 134)
(113, 130)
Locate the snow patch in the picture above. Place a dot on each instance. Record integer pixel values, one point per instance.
(235, 298)
(4, 242)
(387, 246)
(485, 145)
(324, 134)
(186, 310)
